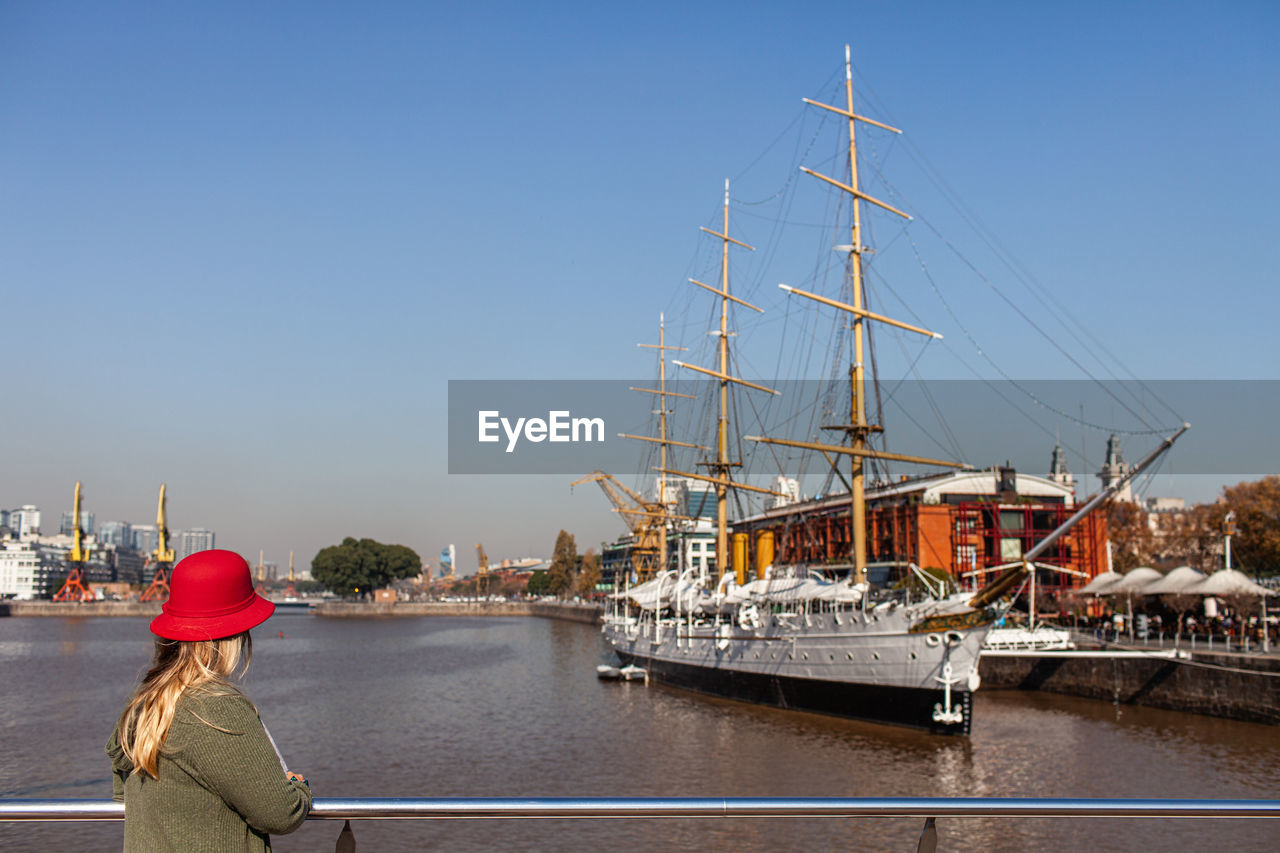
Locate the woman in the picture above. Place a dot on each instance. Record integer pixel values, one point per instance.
(190, 757)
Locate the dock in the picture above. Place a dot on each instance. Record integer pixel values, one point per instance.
(1233, 685)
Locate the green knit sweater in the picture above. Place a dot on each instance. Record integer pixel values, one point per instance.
(220, 786)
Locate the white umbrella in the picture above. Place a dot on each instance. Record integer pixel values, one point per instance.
(1228, 582)
(1131, 584)
(1101, 583)
(1175, 582)
(1135, 581)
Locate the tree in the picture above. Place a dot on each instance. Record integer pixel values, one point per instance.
(1131, 539)
(357, 567)
(539, 584)
(1256, 544)
(1192, 538)
(564, 565)
(589, 577)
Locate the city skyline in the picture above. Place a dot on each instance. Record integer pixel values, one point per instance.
(250, 246)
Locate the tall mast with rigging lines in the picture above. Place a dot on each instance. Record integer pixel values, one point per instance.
(664, 512)
(722, 465)
(858, 430)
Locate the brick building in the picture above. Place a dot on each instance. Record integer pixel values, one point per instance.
(966, 522)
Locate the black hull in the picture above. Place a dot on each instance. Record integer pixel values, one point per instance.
(900, 706)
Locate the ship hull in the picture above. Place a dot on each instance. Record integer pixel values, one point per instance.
(876, 667)
(900, 706)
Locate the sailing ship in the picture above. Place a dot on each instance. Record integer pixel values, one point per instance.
(819, 638)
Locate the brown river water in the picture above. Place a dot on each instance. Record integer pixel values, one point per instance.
(434, 706)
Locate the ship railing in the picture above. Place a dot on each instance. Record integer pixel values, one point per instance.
(347, 809)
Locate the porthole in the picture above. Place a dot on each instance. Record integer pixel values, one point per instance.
(805, 655)
(831, 657)
(913, 655)
(849, 655)
(876, 655)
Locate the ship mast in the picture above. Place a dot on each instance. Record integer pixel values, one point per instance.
(662, 439)
(722, 464)
(858, 429)
(658, 520)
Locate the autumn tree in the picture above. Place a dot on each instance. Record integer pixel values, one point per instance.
(1192, 537)
(563, 572)
(1132, 542)
(1256, 545)
(589, 576)
(359, 566)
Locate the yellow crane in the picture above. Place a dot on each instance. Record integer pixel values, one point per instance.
(645, 519)
(75, 588)
(161, 557)
(290, 591)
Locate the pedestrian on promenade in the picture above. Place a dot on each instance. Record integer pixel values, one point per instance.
(190, 758)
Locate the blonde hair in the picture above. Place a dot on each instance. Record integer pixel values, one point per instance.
(202, 665)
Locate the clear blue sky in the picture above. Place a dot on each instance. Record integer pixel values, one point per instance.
(244, 246)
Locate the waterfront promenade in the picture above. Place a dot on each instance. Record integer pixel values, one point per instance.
(1235, 685)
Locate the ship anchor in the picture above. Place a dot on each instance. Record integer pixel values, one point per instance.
(945, 712)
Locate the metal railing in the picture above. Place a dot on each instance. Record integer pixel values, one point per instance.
(394, 808)
(463, 808)
(1193, 641)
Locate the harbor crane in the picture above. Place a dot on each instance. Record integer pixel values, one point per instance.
(261, 586)
(645, 519)
(482, 575)
(161, 557)
(75, 588)
(290, 591)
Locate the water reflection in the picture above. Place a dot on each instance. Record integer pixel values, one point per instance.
(475, 707)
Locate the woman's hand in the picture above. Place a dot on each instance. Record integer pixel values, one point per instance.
(296, 777)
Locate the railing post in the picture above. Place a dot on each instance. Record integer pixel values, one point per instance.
(928, 837)
(346, 839)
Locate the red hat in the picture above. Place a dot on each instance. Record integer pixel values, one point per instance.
(210, 597)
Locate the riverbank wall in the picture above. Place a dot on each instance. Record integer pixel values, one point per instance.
(1238, 687)
(566, 611)
(86, 609)
(586, 613)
